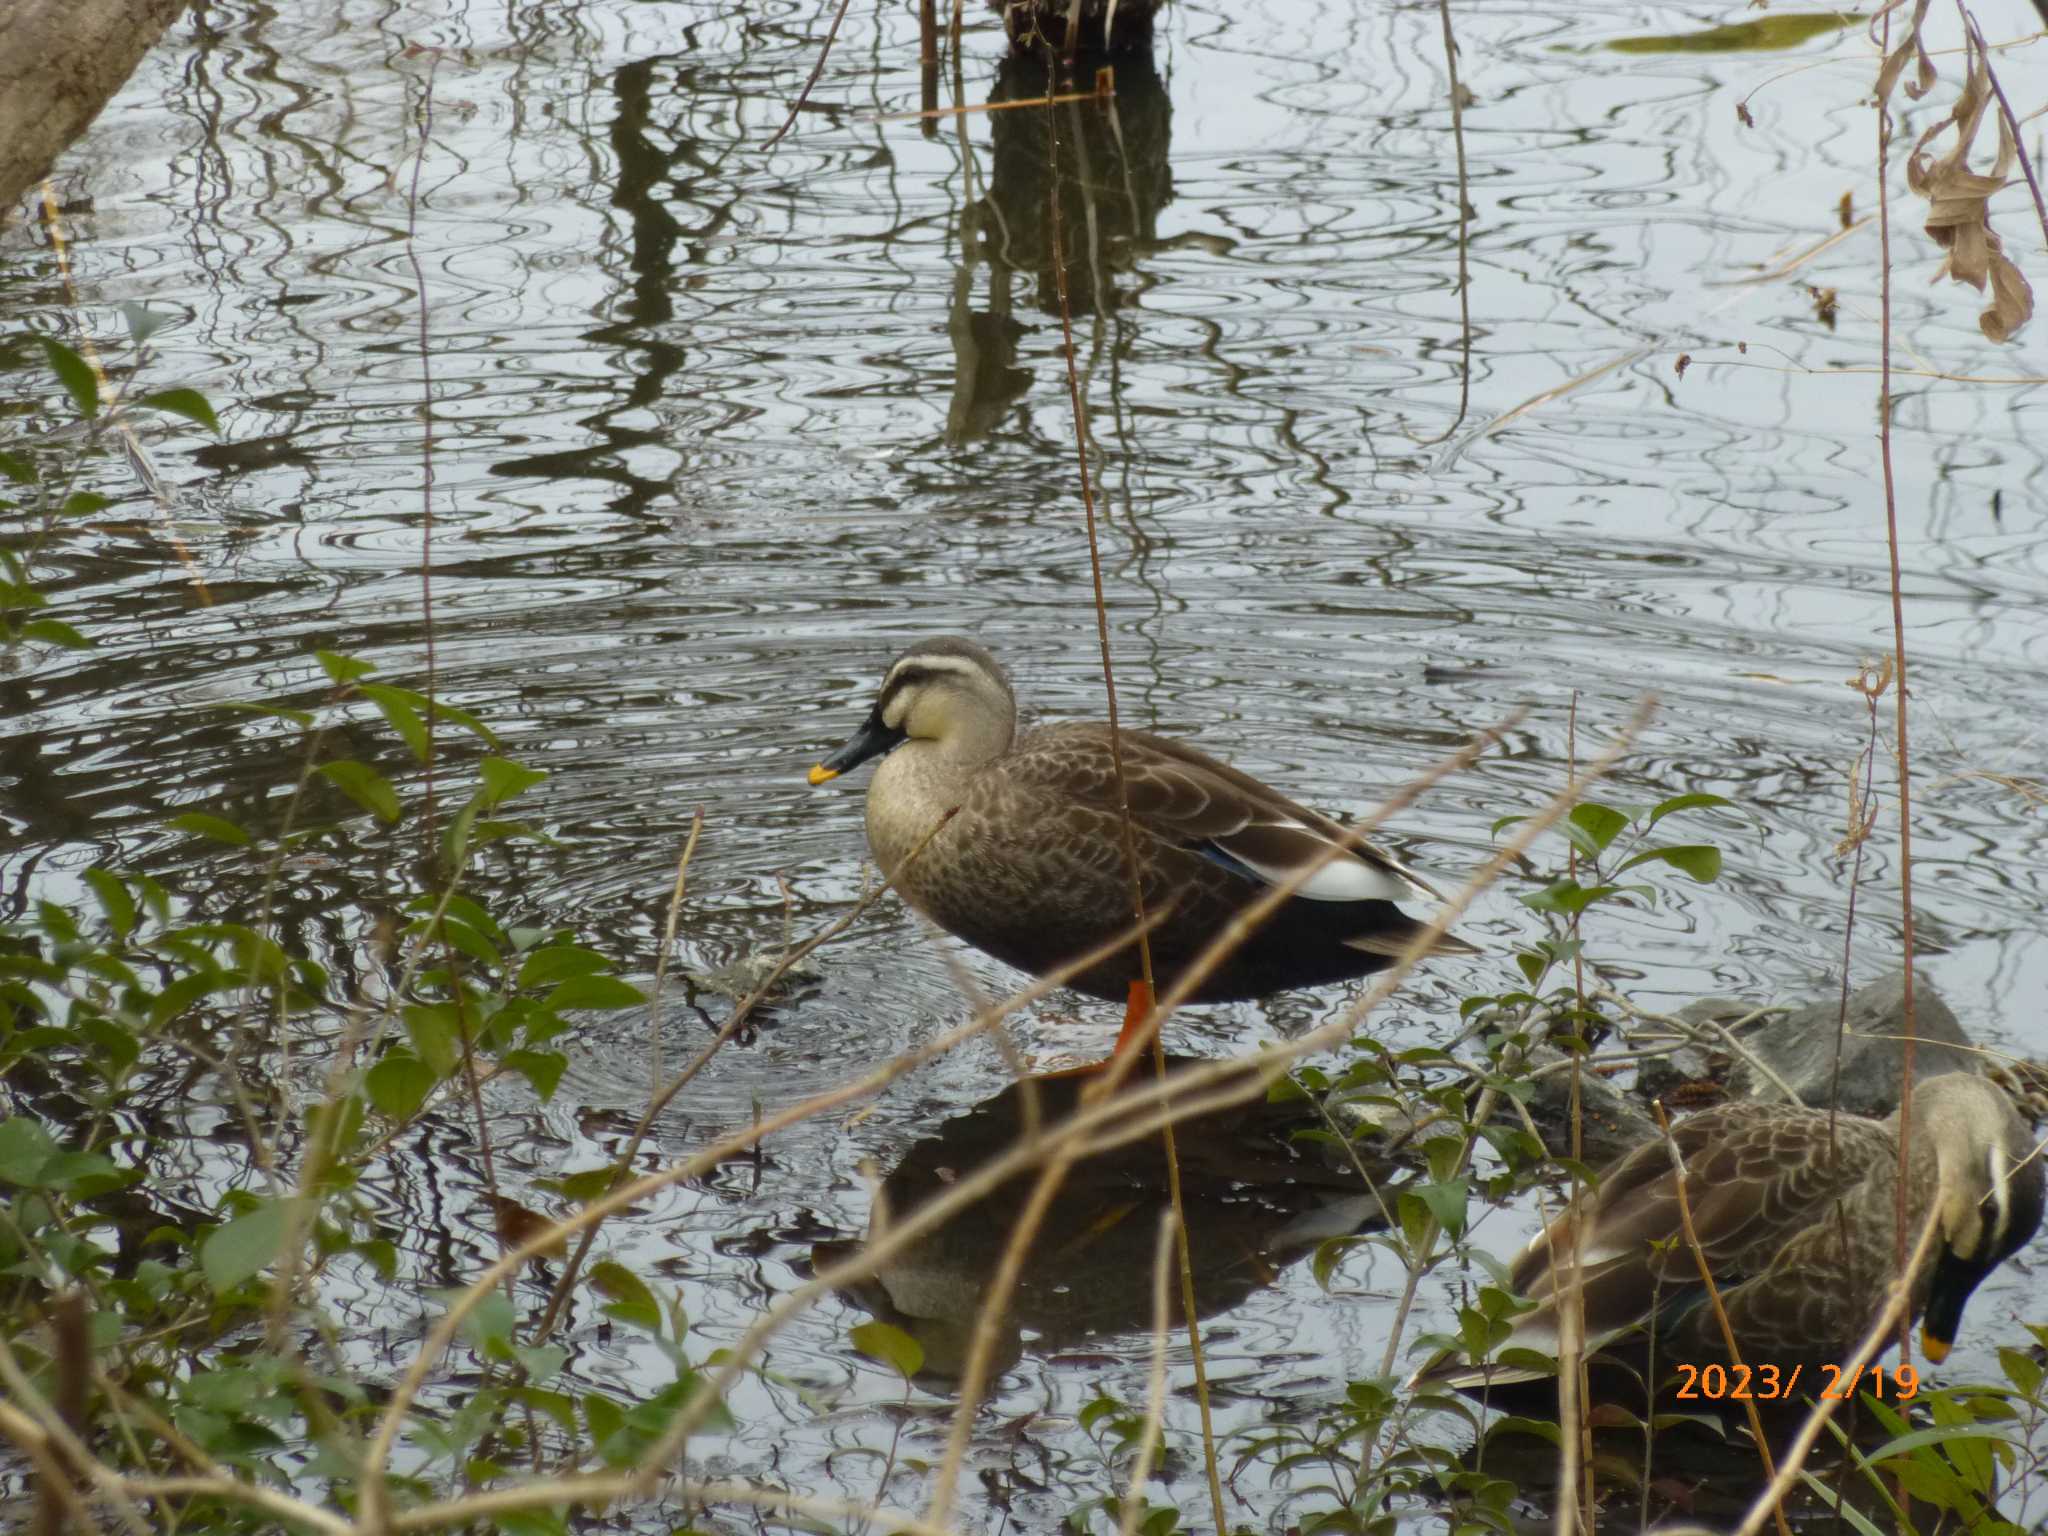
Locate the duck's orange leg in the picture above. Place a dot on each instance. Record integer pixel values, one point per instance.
(1136, 1011)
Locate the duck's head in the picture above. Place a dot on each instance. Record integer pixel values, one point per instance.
(948, 691)
(1988, 1198)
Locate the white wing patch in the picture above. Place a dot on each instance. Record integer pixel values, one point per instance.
(1344, 878)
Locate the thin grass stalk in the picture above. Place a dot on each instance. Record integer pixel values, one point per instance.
(1699, 1259)
(1575, 1441)
(1861, 815)
(2012, 122)
(1155, 1380)
(1891, 526)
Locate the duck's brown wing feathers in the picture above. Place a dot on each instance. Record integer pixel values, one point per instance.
(1191, 800)
(1758, 1176)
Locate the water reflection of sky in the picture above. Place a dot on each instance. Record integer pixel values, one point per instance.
(696, 479)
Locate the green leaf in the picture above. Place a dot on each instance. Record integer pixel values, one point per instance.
(605, 1419)
(1503, 822)
(399, 1083)
(1700, 860)
(397, 707)
(114, 900)
(436, 1034)
(1684, 803)
(84, 504)
(188, 403)
(1829, 1498)
(542, 1069)
(1446, 1202)
(594, 992)
(342, 670)
(1602, 823)
(202, 825)
(461, 717)
(25, 1148)
(17, 468)
(503, 778)
(891, 1346)
(488, 1325)
(631, 1300)
(55, 632)
(144, 322)
(558, 962)
(1567, 896)
(248, 1244)
(367, 787)
(76, 375)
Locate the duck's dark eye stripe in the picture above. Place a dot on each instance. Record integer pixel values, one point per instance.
(904, 677)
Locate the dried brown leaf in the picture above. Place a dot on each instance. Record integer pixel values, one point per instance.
(1909, 49)
(1959, 201)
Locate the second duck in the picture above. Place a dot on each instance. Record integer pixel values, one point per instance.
(1031, 867)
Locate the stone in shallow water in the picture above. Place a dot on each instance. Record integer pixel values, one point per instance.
(1800, 1047)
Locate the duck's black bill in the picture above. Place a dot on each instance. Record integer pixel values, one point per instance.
(871, 740)
(1954, 1279)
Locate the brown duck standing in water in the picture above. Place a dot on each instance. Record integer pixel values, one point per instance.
(1031, 867)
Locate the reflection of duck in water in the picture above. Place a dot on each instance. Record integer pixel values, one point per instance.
(1070, 26)
(1112, 175)
(1255, 1201)
(1797, 1228)
(1032, 865)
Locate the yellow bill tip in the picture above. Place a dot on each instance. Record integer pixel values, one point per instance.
(821, 774)
(1936, 1350)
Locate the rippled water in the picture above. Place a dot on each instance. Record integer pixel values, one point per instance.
(718, 424)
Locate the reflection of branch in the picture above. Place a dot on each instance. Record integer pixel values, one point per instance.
(817, 69)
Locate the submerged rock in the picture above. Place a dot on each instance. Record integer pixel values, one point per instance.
(1800, 1048)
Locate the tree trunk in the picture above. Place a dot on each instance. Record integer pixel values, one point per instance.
(60, 62)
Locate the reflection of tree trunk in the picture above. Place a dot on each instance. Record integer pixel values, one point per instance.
(60, 62)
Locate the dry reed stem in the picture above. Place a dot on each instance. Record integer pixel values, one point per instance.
(1699, 1258)
(377, 1453)
(1139, 1114)
(1163, 1258)
(1105, 84)
(1049, 1182)
(36, 1426)
(1872, 1345)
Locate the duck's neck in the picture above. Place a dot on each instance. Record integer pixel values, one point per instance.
(919, 782)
